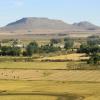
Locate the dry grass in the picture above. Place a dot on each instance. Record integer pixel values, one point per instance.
(27, 97)
(32, 65)
(49, 80)
(72, 57)
(53, 88)
(55, 75)
(68, 65)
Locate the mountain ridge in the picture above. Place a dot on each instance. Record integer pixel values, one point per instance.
(42, 25)
(87, 25)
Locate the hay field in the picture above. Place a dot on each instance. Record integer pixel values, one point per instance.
(54, 75)
(49, 80)
(27, 97)
(73, 57)
(54, 90)
(33, 65)
(68, 65)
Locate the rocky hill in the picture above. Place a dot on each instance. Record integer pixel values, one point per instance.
(35, 25)
(86, 25)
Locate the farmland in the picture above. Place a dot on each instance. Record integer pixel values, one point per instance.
(37, 65)
(42, 80)
(49, 73)
(57, 90)
(47, 81)
(44, 55)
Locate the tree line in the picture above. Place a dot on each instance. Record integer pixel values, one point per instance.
(91, 47)
(33, 48)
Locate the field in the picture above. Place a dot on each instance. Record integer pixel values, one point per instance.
(49, 90)
(53, 75)
(72, 57)
(33, 65)
(28, 97)
(50, 80)
(37, 65)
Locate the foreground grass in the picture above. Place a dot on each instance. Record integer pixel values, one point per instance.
(49, 90)
(27, 97)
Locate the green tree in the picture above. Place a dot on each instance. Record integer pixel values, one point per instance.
(32, 48)
(94, 59)
(10, 51)
(92, 51)
(49, 48)
(68, 43)
(93, 40)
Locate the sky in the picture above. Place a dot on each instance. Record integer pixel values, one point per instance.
(69, 11)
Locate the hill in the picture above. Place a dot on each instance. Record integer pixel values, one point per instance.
(86, 25)
(36, 26)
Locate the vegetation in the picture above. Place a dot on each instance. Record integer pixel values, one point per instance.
(92, 49)
(68, 43)
(56, 90)
(93, 40)
(49, 70)
(10, 51)
(33, 65)
(32, 48)
(55, 41)
(49, 48)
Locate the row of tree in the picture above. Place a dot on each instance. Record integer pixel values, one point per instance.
(33, 48)
(91, 47)
(50, 47)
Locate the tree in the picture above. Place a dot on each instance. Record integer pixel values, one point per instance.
(15, 42)
(92, 48)
(94, 59)
(92, 51)
(93, 40)
(49, 48)
(10, 51)
(55, 41)
(32, 48)
(68, 43)
(84, 48)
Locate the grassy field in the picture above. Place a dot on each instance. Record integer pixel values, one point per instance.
(73, 57)
(33, 65)
(53, 75)
(44, 57)
(27, 97)
(68, 65)
(49, 90)
(50, 80)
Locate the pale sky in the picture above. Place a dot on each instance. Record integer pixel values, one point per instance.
(67, 10)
